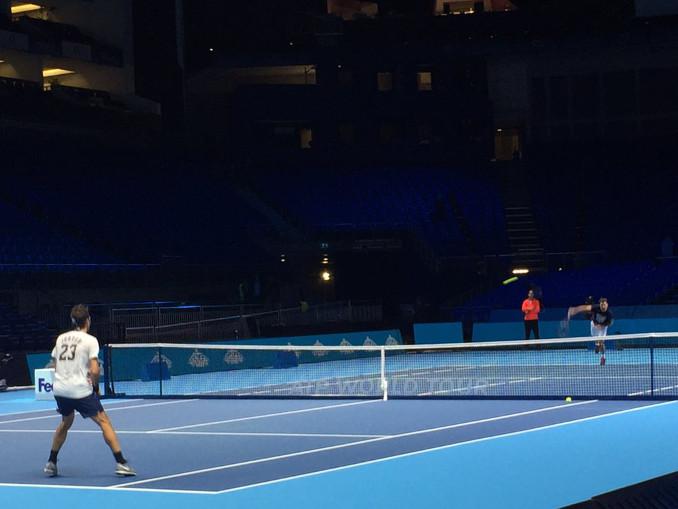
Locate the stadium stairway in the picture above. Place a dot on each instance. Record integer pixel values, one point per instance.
(521, 226)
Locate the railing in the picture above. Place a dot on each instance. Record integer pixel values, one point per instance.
(340, 312)
(205, 330)
(160, 315)
(13, 86)
(254, 324)
(85, 96)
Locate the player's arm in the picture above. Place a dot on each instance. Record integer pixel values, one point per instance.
(575, 310)
(94, 373)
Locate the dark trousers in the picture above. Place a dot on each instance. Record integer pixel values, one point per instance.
(532, 325)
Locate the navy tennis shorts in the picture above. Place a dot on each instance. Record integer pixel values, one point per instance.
(87, 407)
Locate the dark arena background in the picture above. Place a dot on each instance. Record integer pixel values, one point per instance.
(305, 231)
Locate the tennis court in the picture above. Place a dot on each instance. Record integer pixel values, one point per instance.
(345, 452)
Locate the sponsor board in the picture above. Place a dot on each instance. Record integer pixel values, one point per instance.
(44, 380)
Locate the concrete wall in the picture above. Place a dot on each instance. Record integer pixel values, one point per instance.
(20, 65)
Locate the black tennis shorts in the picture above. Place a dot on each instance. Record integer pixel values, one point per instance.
(87, 407)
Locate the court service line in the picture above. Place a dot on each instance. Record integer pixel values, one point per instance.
(204, 433)
(352, 444)
(269, 434)
(55, 414)
(449, 446)
(265, 416)
(51, 409)
(650, 391)
(484, 386)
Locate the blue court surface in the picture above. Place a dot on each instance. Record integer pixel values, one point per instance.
(338, 453)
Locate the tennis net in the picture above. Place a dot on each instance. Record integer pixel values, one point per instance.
(632, 366)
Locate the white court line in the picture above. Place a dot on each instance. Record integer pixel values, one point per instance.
(426, 373)
(204, 433)
(445, 391)
(649, 391)
(102, 488)
(264, 416)
(449, 446)
(605, 377)
(458, 389)
(352, 444)
(268, 434)
(52, 409)
(55, 414)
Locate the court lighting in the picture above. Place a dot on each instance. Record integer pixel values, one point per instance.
(520, 271)
(23, 8)
(55, 71)
(326, 275)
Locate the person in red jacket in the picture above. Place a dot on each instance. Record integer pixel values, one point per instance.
(531, 309)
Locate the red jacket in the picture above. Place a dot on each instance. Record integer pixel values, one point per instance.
(531, 308)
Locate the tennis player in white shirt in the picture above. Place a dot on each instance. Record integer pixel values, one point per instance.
(76, 387)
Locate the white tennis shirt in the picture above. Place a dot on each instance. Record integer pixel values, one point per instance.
(72, 354)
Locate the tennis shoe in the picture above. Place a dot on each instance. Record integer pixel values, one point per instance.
(124, 469)
(50, 469)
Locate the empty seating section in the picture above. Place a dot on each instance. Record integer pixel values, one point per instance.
(420, 199)
(626, 212)
(145, 217)
(556, 212)
(26, 240)
(22, 333)
(632, 213)
(204, 218)
(623, 284)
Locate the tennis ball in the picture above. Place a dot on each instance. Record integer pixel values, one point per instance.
(568, 399)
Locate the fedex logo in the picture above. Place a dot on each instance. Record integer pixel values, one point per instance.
(44, 386)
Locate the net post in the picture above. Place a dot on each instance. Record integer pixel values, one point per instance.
(108, 365)
(106, 373)
(384, 382)
(160, 368)
(651, 366)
